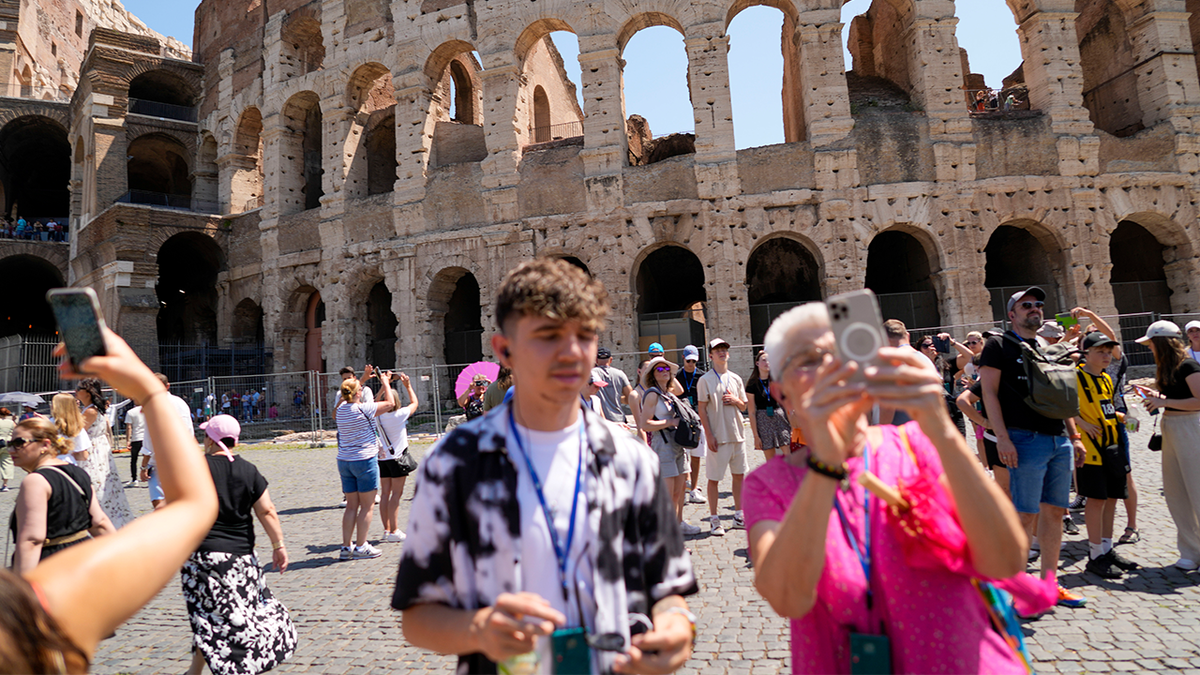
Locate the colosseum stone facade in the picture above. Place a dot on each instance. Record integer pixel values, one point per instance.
(350, 179)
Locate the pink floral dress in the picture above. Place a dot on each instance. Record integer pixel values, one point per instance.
(936, 620)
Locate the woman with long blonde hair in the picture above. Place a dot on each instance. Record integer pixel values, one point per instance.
(65, 410)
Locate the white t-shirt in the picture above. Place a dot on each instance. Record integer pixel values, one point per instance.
(395, 431)
(137, 424)
(555, 457)
(724, 419)
(184, 415)
(79, 443)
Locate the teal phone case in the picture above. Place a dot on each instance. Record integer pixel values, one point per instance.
(870, 654)
(569, 652)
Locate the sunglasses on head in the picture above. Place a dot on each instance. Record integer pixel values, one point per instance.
(1030, 305)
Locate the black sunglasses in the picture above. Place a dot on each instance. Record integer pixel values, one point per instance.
(1030, 305)
(17, 441)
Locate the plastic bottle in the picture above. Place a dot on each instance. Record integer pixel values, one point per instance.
(521, 664)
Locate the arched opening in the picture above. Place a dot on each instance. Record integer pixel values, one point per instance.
(763, 115)
(1110, 79)
(27, 312)
(456, 105)
(247, 325)
(901, 275)
(879, 55)
(303, 48)
(463, 94)
(205, 189)
(301, 169)
(382, 325)
(541, 115)
(35, 169)
(188, 265)
(463, 325)
(158, 171)
(671, 293)
(576, 262)
(1016, 260)
(660, 120)
(246, 190)
(373, 161)
(780, 274)
(314, 318)
(1139, 279)
(161, 93)
(993, 69)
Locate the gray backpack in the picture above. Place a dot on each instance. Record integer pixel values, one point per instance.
(1053, 384)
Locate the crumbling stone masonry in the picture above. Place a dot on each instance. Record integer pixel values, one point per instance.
(431, 145)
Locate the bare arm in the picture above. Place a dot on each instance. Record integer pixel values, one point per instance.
(94, 587)
(264, 509)
(1101, 324)
(462, 400)
(389, 398)
(89, 416)
(101, 525)
(506, 629)
(750, 409)
(709, 438)
(1155, 401)
(989, 379)
(413, 403)
(966, 403)
(625, 394)
(787, 566)
(32, 503)
(645, 417)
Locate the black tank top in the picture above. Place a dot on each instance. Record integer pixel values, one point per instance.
(67, 511)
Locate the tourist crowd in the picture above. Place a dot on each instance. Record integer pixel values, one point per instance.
(35, 230)
(547, 532)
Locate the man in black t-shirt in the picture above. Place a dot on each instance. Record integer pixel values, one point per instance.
(1036, 449)
(689, 376)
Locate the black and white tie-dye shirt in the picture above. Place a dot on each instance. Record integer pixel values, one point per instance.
(464, 539)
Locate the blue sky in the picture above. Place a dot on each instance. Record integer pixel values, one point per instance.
(656, 70)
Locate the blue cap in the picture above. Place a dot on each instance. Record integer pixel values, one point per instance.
(655, 347)
(690, 353)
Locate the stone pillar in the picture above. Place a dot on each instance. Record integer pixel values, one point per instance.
(501, 86)
(414, 137)
(339, 144)
(1167, 84)
(822, 70)
(275, 136)
(936, 74)
(605, 144)
(112, 167)
(712, 108)
(273, 51)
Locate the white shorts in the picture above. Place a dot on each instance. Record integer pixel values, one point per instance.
(730, 456)
(700, 450)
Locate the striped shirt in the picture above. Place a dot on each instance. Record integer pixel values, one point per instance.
(1096, 406)
(356, 431)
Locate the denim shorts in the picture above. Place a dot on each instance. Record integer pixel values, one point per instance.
(360, 475)
(1043, 471)
(155, 485)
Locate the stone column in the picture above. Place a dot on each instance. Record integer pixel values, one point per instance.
(338, 144)
(822, 70)
(1167, 84)
(112, 167)
(274, 136)
(605, 144)
(414, 136)
(501, 86)
(712, 108)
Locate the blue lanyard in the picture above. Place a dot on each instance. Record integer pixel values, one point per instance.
(691, 378)
(766, 388)
(561, 553)
(864, 560)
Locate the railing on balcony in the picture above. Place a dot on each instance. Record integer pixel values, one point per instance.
(39, 93)
(556, 132)
(60, 234)
(181, 202)
(165, 110)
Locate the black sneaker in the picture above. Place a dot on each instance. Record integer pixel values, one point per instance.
(1104, 568)
(1121, 561)
(1079, 502)
(1069, 526)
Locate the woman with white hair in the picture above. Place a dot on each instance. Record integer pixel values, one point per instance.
(858, 588)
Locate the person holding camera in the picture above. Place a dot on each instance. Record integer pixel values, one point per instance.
(541, 534)
(1177, 377)
(658, 418)
(53, 617)
(393, 427)
(358, 464)
(855, 596)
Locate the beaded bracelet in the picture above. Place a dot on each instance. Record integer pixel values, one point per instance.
(828, 470)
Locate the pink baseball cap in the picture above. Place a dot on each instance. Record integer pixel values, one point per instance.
(222, 426)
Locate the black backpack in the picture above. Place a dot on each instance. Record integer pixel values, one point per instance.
(474, 408)
(687, 434)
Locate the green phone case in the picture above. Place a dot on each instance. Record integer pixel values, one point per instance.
(569, 652)
(870, 654)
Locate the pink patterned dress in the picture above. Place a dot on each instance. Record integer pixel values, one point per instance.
(936, 620)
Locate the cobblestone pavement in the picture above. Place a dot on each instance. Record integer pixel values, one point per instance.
(1148, 621)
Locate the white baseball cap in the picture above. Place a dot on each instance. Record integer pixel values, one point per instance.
(1190, 325)
(1161, 328)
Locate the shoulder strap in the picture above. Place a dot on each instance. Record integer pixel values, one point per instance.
(69, 479)
(908, 446)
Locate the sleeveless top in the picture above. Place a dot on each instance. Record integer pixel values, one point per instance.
(67, 511)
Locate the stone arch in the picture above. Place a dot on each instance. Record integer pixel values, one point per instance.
(541, 115)
(902, 267)
(247, 326)
(188, 266)
(786, 6)
(1022, 253)
(744, 95)
(246, 174)
(670, 288)
(535, 32)
(370, 88)
(883, 71)
(1174, 266)
(1108, 62)
(782, 271)
(28, 312)
(160, 85)
(372, 136)
(158, 166)
(456, 314)
(300, 145)
(646, 20)
(303, 46)
(35, 168)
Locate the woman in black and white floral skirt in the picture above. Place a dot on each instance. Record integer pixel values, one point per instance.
(239, 627)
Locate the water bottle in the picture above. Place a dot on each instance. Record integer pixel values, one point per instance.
(521, 664)
(1133, 421)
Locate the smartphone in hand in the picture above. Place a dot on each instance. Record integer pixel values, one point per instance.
(1066, 320)
(80, 323)
(857, 328)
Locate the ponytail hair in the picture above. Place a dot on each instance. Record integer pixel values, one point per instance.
(43, 429)
(349, 390)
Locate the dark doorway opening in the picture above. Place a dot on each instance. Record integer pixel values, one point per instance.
(899, 272)
(35, 168)
(26, 312)
(188, 265)
(1139, 280)
(381, 351)
(671, 295)
(780, 274)
(463, 325)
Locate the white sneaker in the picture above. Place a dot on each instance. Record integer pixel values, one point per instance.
(715, 528)
(694, 497)
(346, 553)
(376, 497)
(395, 537)
(688, 528)
(1186, 564)
(739, 519)
(366, 551)
(343, 504)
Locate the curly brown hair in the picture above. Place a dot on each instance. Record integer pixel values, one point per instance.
(554, 289)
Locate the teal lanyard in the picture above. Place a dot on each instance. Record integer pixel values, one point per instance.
(863, 554)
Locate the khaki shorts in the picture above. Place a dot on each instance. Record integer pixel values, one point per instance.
(700, 450)
(730, 456)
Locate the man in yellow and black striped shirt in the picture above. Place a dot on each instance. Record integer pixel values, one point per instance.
(1101, 477)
